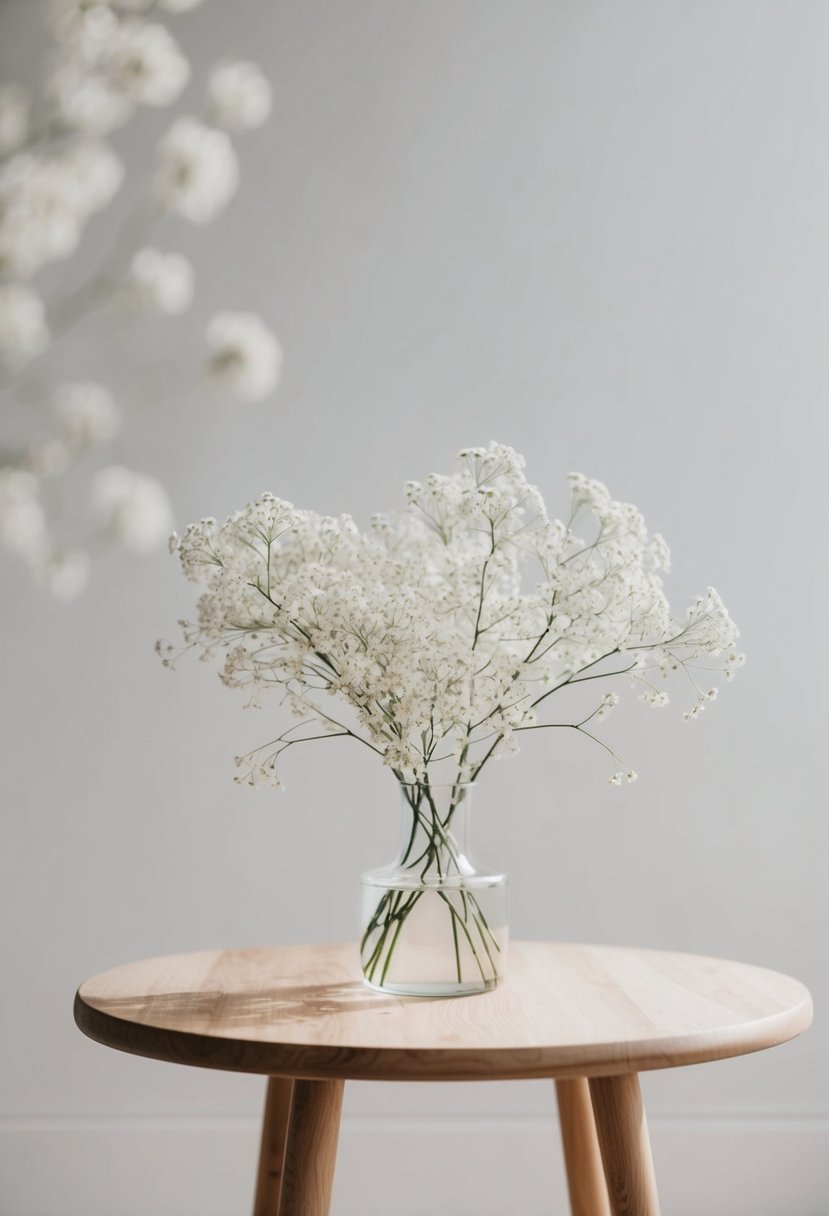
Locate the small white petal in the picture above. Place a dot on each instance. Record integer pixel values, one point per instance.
(245, 355)
(240, 96)
(135, 506)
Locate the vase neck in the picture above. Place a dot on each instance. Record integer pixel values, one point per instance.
(436, 827)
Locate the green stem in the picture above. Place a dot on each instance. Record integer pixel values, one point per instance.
(457, 952)
(390, 952)
(457, 919)
(393, 908)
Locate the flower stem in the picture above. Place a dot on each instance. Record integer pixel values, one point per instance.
(438, 870)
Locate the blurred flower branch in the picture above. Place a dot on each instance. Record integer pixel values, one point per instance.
(58, 171)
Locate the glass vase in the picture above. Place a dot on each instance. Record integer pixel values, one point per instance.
(434, 921)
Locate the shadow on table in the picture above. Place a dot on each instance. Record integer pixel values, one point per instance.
(206, 1010)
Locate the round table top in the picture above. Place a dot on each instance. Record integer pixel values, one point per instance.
(563, 1010)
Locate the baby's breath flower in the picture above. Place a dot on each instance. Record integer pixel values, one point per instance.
(135, 506)
(86, 101)
(45, 201)
(23, 330)
(159, 281)
(244, 354)
(142, 61)
(608, 702)
(92, 175)
(240, 96)
(654, 697)
(198, 171)
(63, 574)
(22, 522)
(445, 627)
(88, 412)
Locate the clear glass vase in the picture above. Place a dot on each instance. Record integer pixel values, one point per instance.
(434, 921)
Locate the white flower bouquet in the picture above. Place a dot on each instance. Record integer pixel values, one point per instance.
(447, 629)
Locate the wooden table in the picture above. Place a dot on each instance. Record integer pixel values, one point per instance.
(590, 1017)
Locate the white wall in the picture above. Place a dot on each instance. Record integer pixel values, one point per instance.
(595, 231)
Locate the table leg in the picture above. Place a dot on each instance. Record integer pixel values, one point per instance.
(272, 1148)
(626, 1151)
(311, 1148)
(585, 1176)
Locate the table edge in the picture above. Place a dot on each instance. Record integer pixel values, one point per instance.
(435, 1064)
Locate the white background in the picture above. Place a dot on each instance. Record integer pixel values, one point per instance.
(597, 232)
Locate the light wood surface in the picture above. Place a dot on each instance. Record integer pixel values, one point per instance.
(585, 1175)
(272, 1147)
(563, 1010)
(311, 1148)
(626, 1152)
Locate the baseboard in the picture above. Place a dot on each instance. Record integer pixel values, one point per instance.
(401, 1166)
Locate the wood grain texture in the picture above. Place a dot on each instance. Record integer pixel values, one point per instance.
(272, 1148)
(311, 1148)
(585, 1174)
(625, 1145)
(563, 1011)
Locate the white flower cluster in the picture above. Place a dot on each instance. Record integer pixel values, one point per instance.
(136, 507)
(45, 201)
(22, 522)
(57, 171)
(109, 64)
(24, 331)
(133, 506)
(240, 96)
(198, 171)
(445, 627)
(244, 354)
(160, 282)
(88, 412)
